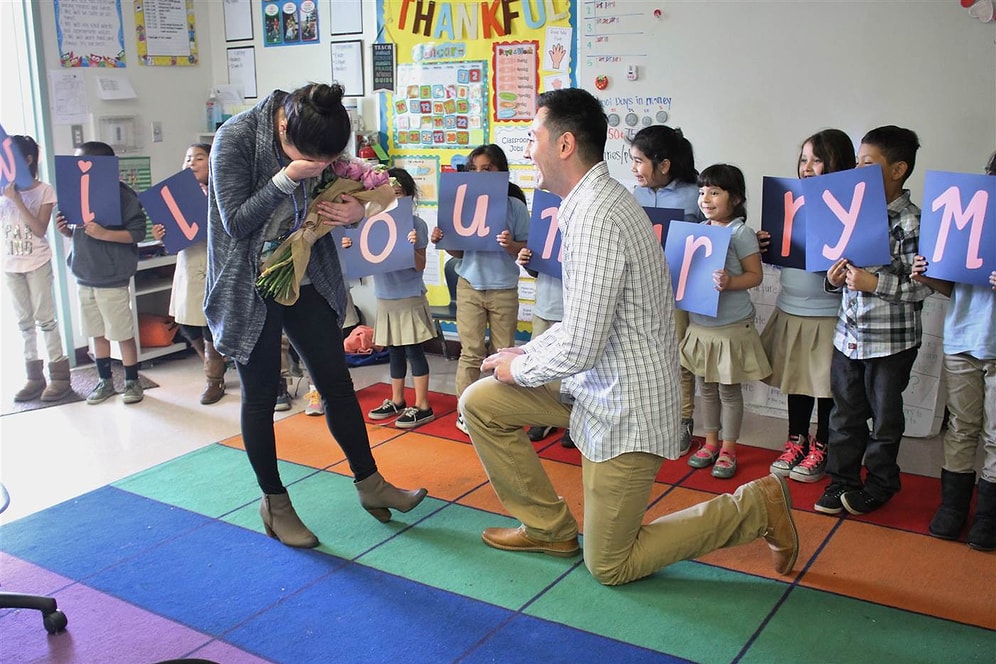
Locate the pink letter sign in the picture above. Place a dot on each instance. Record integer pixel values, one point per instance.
(958, 226)
(380, 243)
(89, 190)
(846, 217)
(13, 167)
(694, 252)
(783, 216)
(179, 204)
(544, 236)
(472, 210)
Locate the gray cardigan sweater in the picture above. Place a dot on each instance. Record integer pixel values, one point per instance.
(242, 199)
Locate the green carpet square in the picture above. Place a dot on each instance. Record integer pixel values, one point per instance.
(328, 504)
(212, 481)
(699, 612)
(816, 626)
(446, 551)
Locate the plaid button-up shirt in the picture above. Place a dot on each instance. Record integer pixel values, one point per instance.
(887, 321)
(615, 349)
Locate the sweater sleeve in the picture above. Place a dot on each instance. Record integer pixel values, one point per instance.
(243, 207)
(132, 214)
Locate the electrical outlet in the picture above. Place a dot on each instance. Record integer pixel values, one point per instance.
(157, 132)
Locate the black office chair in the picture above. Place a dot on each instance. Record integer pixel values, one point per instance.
(447, 312)
(53, 619)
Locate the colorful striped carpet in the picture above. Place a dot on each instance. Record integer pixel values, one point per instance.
(172, 562)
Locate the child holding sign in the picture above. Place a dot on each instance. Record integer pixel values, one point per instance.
(104, 260)
(404, 322)
(798, 338)
(186, 303)
(725, 350)
(27, 269)
(664, 166)
(969, 368)
(875, 343)
(488, 289)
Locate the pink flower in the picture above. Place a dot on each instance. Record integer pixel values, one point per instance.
(369, 176)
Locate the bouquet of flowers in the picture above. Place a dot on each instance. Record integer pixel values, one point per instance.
(283, 270)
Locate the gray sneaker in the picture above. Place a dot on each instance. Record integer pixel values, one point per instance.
(685, 443)
(102, 392)
(133, 392)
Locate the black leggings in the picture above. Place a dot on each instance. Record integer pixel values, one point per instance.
(413, 354)
(800, 412)
(194, 332)
(313, 329)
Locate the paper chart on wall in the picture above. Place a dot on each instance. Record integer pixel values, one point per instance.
(439, 106)
(67, 97)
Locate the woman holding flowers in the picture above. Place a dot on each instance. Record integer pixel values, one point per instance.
(264, 165)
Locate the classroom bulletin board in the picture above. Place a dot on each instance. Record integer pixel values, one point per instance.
(468, 73)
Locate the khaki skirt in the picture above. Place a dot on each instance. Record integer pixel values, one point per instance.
(403, 322)
(728, 354)
(800, 349)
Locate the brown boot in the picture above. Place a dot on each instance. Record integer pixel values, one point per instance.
(214, 373)
(58, 384)
(780, 533)
(35, 383)
(377, 495)
(198, 346)
(282, 522)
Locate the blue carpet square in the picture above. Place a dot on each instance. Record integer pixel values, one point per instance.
(215, 577)
(82, 536)
(359, 614)
(527, 640)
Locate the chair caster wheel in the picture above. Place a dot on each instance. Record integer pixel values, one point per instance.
(55, 621)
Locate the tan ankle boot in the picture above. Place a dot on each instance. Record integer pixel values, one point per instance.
(58, 384)
(35, 383)
(282, 522)
(379, 497)
(214, 374)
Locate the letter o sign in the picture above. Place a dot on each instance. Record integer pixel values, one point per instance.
(392, 238)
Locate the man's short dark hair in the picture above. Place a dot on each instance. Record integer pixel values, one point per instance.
(580, 113)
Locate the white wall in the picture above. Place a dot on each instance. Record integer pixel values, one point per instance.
(748, 79)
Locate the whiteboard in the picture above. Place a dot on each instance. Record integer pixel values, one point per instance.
(747, 82)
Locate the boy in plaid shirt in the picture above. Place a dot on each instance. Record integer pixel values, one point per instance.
(875, 343)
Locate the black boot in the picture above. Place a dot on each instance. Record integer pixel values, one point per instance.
(982, 534)
(956, 498)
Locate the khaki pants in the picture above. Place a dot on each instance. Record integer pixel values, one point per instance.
(971, 384)
(476, 312)
(618, 547)
(687, 377)
(34, 307)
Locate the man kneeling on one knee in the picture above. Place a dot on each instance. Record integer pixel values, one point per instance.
(616, 354)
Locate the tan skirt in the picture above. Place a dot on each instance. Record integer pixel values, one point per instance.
(800, 349)
(403, 322)
(729, 354)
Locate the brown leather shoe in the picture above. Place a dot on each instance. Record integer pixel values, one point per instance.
(781, 535)
(516, 539)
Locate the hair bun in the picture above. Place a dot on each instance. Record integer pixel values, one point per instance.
(326, 98)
